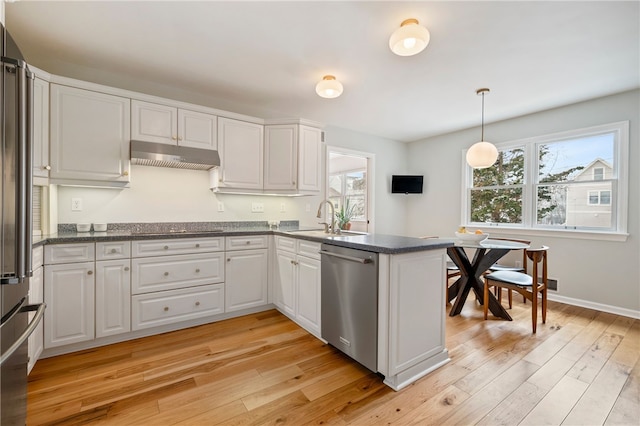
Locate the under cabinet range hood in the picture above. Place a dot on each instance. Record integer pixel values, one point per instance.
(178, 157)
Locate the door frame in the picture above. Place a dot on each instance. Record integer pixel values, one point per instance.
(371, 161)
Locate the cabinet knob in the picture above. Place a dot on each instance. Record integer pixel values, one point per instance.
(197, 271)
(46, 167)
(174, 138)
(248, 242)
(179, 138)
(113, 250)
(293, 262)
(89, 272)
(166, 274)
(166, 308)
(197, 303)
(228, 259)
(125, 173)
(166, 247)
(197, 245)
(294, 182)
(126, 268)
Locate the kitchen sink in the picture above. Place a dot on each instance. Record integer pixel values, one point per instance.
(319, 233)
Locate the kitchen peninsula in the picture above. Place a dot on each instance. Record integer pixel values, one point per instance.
(154, 278)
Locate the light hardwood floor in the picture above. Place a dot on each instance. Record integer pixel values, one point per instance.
(582, 367)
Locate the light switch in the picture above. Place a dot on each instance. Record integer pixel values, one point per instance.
(220, 206)
(283, 208)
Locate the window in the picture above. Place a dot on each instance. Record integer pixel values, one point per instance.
(574, 180)
(352, 186)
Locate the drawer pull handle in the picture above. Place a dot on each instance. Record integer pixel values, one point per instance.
(197, 245)
(47, 167)
(166, 247)
(166, 274)
(166, 308)
(126, 268)
(197, 271)
(89, 272)
(197, 303)
(113, 250)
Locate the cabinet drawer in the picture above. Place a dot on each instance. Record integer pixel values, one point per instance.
(166, 307)
(176, 246)
(285, 243)
(113, 250)
(37, 259)
(308, 248)
(246, 242)
(69, 253)
(173, 272)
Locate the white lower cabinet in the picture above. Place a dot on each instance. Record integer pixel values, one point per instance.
(297, 282)
(70, 296)
(246, 279)
(167, 307)
(36, 295)
(113, 297)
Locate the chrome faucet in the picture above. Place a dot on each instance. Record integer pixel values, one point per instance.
(332, 226)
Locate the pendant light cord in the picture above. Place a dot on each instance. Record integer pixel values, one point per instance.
(482, 125)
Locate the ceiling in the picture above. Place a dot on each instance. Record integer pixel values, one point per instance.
(264, 58)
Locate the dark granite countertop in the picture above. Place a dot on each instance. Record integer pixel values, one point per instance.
(378, 243)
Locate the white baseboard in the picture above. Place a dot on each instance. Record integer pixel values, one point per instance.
(593, 305)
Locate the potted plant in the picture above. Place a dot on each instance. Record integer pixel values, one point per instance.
(344, 215)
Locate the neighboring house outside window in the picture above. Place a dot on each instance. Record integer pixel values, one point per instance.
(574, 180)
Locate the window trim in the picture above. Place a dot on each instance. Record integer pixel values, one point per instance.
(601, 169)
(619, 190)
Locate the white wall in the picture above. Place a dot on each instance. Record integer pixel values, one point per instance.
(593, 271)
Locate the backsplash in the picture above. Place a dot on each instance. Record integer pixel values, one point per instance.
(149, 227)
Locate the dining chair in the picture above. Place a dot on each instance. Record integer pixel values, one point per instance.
(499, 267)
(529, 286)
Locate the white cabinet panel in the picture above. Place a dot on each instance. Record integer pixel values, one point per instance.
(166, 307)
(176, 246)
(36, 295)
(246, 242)
(69, 294)
(113, 250)
(308, 307)
(280, 156)
(172, 272)
(41, 164)
(284, 296)
(246, 279)
(154, 123)
(90, 134)
(310, 159)
(113, 297)
(197, 130)
(240, 145)
(69, 253)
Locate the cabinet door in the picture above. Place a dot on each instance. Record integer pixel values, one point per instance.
(36, 340)
(41, 128)
(113, 297)
(310, 159)
(308, 307)
(280, 156)
(246, 279)
(284, 296)
(197, 130)
(69, 295)
(240, 146)
(154, 123)
(90, 135)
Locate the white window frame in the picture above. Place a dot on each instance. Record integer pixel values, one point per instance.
(601, 169)
(529, 226)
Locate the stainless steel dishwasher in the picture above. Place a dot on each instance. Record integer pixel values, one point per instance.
(350, 302)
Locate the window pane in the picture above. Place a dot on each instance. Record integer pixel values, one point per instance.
(496, 205)
(508, 170)
(575, 205)
(598, 173)
(576, 159)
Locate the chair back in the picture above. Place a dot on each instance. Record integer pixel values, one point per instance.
(537, 256)
(524, 251)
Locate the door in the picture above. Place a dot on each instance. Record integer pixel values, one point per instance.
(246, 279)
(241, 147)
(285, 281)
(154, 123)
(308, 277)
(113, 297)
(280, 156)
(197, 130)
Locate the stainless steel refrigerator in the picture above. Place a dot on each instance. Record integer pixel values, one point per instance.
(16, 91)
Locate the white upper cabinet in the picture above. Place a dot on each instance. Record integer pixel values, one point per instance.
(41, 164)
(240, 145)
(90, 135)
(166, 124)
(293, 158)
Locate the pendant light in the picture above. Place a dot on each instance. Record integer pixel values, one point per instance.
(411, 38)
(329, 87)
(482, 154)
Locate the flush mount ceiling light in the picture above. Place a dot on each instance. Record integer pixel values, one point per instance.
(482, 154)
(329, 87)
(411, 38)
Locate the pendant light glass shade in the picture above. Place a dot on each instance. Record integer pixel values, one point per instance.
(482, 154)
(411, 38)
(329, 87)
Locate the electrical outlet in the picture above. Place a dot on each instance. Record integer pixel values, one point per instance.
(257, 207)
(220, 206)
(76, 204)
(283, 208)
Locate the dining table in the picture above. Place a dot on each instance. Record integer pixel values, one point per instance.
(487, 252)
